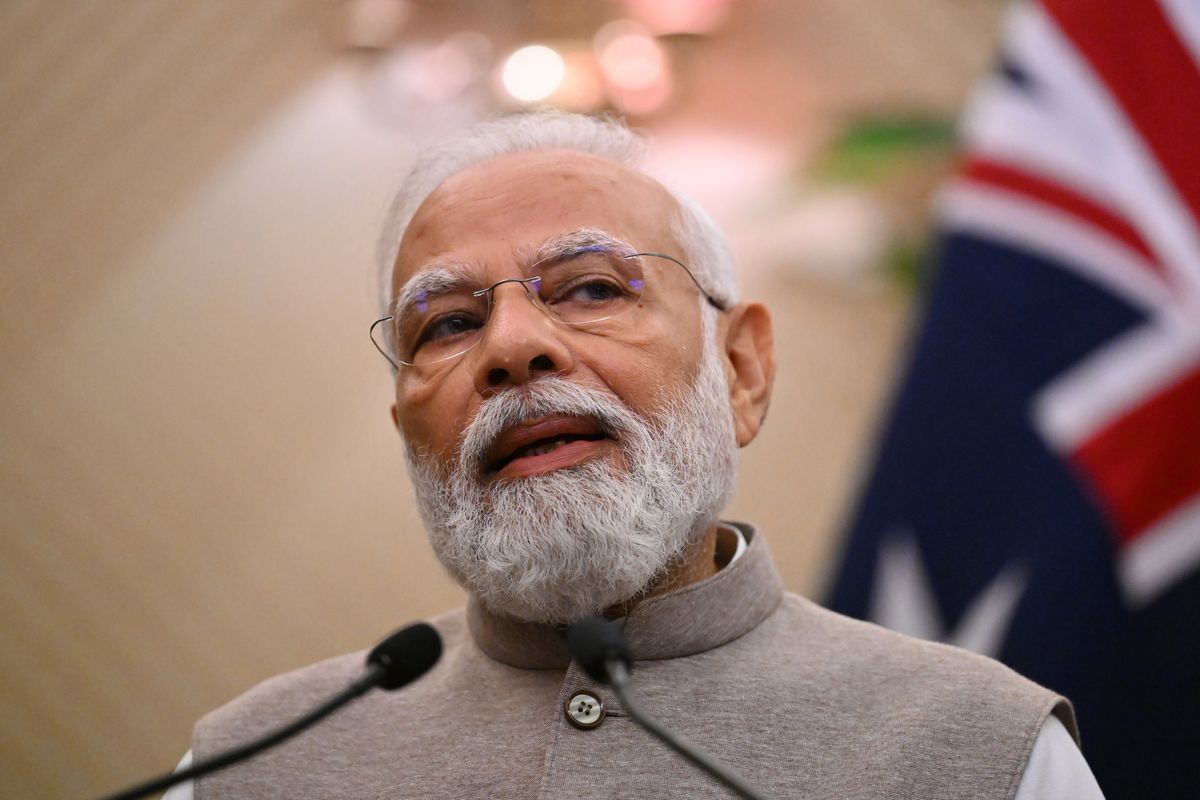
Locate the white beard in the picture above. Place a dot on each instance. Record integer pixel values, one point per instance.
(572, 542)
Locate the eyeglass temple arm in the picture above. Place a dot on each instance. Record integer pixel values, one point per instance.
(712, 301)
(382, 352)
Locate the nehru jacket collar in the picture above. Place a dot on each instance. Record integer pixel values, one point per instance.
(684, 622)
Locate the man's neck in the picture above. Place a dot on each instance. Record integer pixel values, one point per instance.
(698, 562)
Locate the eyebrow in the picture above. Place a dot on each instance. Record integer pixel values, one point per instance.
(433, 280)
(582, 239)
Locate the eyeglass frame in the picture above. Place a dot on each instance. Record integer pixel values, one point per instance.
(489, 291)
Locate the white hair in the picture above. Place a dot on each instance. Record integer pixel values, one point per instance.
(706, 253)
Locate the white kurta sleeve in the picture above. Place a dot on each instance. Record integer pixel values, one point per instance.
(1056, 769)
(181, 791)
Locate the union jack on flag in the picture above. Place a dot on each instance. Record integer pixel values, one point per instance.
(1036, 490)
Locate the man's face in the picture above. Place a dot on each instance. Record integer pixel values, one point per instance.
(493, 217)
(561, 469)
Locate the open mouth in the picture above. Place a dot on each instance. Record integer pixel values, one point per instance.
(547, 444)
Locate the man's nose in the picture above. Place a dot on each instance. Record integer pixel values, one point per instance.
(520, 342)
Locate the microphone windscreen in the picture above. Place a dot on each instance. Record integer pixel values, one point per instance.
(595, 642)
(406, 655)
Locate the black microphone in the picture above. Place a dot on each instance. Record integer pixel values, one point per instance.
(596, 643)
(403, 657)
(601, 650)
(397, 661)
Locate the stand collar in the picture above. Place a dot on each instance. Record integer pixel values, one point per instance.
(684, 622)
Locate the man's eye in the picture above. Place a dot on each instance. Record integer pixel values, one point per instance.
(448, 327)
(589, 292)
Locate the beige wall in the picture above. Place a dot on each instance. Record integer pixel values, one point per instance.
(199, 482)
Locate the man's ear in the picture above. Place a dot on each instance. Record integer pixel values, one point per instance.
(750, 352)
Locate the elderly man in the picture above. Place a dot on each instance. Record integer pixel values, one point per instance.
(575, 373)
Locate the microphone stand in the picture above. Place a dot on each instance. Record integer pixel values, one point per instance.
(368, 681)
(395, 662)
(618, 675)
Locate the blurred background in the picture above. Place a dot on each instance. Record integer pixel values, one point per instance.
(200, 485)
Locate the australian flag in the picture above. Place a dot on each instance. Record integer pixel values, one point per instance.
(1036, 490)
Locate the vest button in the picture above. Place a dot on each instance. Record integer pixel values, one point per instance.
(584, 710)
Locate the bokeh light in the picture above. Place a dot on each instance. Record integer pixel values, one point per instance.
(635, 66)
(633, 61)
(533, 73)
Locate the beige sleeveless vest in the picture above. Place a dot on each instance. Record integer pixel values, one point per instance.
(799, 701)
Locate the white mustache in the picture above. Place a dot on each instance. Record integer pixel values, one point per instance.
(544, 397)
